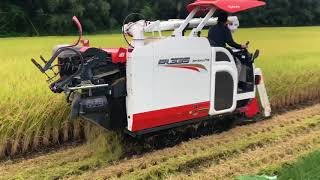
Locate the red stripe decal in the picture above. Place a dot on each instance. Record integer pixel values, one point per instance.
(193, 67)
(168, 116)
(186, 67)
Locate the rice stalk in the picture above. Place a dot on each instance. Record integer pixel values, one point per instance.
(32, 117)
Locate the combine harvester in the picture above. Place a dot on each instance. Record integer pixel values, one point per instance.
(160, 82)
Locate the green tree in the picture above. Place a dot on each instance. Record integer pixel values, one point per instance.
(33, 17)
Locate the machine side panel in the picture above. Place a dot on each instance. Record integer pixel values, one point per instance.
(140, 81)
(181, 72)
(179, 86)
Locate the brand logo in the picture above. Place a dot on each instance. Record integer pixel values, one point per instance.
(175, 61)
(182, 63)
(234, 6)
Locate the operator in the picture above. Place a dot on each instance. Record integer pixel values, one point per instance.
(220, 34)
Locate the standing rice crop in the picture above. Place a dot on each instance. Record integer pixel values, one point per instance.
(32, 117)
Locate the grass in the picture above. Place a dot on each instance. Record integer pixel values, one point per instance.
(32, 117)
(302, 167)
(306, 168)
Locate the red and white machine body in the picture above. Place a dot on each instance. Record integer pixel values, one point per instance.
(180, 78)
(170, 81)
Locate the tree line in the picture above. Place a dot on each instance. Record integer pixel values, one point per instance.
(53, 17)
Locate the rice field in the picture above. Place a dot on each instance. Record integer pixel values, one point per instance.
(260, 148)
(31, 117)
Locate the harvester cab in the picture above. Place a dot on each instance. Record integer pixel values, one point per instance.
(159, 83)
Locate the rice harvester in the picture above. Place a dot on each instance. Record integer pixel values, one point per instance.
(160, 82)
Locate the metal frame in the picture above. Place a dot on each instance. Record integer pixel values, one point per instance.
(88, 87)
(195, 31)
(178, 32)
